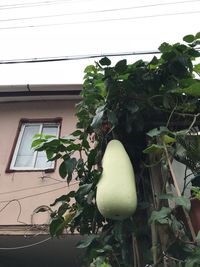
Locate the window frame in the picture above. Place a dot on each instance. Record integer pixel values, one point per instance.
(15, 148)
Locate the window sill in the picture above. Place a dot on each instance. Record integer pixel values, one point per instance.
(31, 170)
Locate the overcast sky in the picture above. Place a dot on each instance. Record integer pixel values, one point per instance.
(39, 28)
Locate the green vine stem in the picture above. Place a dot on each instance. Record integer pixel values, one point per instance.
(179, 194)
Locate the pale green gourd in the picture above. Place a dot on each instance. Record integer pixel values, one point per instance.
(116, 196)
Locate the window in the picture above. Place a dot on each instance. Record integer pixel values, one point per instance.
(24, 157)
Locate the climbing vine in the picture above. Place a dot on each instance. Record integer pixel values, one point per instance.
(151, 107)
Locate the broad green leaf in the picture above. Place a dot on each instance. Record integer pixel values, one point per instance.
(86, 242)
(184, 202)
(189, 38)
(153, 149)
(84, 189)
(57, 226)
(193, 90)
(165, 47)
(92, 158)
(158, 131)
(168, 139)
(197, 68)
(90, 68)
(64, 198)
(62, 170)
(105, 61)
(97, 120)
(197, 36)
(121, 66)
(160, 216)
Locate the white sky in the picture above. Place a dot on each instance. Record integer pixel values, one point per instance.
(79, 37)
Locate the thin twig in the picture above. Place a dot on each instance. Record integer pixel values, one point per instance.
(171, 114)
(193, 122)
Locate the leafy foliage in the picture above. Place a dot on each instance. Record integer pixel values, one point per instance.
(142, 105)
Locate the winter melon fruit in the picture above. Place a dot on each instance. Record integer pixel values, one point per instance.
(116, 196)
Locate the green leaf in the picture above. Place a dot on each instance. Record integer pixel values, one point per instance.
(153, 149)
(92, 158)
(160, 216)
(189, 38)
(87, 242)
(64, 198)
(89, 68)
(37, 142)
(192, 90)
(183, 201)
(98, 118)
(165, 47)
(197, 68)
(168, 139)
(43, 209)
(70, 165)
(62, 170)
(121, 66)
(57, 226)
(197, 36)
(84, 189)
(158, 131)
(105, 61)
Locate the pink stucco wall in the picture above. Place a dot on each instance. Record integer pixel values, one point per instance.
(22, 192)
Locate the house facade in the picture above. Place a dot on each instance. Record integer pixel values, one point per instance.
(27, 180)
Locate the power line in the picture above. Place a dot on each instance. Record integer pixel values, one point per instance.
(35, 4)
(28, 188)
(76, 57)
(97, 11)
(33, 195)
(25, 246)
(100, 20)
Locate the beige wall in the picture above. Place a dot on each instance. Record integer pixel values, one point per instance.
(22, 192)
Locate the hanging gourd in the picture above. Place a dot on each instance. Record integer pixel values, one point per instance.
(116, 196)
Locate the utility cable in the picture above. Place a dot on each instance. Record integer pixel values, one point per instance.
(34, 187)
(25, 246)
(97, 11)
(76, 57)
(100, 20)
(33, 195)
(35, 4)
(29, 188)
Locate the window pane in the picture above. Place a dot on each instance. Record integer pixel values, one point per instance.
(41, 160)
(24, 161)
(25, 153)
(42, 163)
(50, 130)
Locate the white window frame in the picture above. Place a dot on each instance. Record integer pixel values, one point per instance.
(19, 140)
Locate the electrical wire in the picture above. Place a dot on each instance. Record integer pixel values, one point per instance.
(34, 187)
(25, 246)
(33, 195)
(28, 188)
(76, 57)
(101, 20)
(97, 11)
(35, 4)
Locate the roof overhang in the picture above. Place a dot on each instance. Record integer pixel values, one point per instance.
(31, 92)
